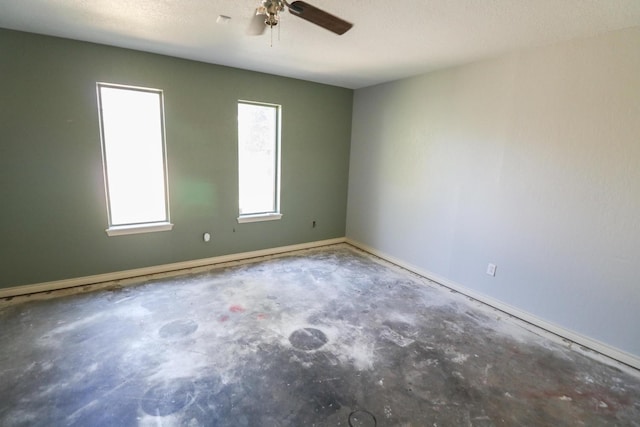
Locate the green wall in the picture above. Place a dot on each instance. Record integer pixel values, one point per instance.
(53, 213)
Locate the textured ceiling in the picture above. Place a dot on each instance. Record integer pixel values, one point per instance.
(389, 40)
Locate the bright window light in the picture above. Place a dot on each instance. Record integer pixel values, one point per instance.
(258, 158)
(134, 154)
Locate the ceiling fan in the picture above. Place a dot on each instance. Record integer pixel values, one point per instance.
(268, 15)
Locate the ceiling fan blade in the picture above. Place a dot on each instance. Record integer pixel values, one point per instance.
(319, 17)
(257, 25)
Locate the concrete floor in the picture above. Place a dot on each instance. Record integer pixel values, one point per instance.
(323, 337)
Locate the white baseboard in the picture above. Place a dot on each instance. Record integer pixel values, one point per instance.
(164, 270)
(174, 269)
(600, 347)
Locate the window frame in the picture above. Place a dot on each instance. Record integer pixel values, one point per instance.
(276, 214)
(141, 227)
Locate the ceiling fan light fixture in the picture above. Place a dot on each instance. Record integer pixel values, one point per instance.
(271, 20)
(271, 10)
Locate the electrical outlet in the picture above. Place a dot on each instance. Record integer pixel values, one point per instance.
(206, 237)
(491, 269)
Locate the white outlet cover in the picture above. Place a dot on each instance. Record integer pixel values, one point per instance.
(491, 269)
(206, 237)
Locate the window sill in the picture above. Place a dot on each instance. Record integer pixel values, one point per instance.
(259, 217)
(121, 230)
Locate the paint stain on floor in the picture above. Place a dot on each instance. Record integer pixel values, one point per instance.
(322, 337)
(236, 308)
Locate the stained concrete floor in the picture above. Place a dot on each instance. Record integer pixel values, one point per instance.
(322, 337)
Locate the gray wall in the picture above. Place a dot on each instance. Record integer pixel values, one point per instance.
(53, 213)
(530, 161)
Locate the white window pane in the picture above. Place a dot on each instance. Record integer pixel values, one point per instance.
(133, 146)
(258, 158)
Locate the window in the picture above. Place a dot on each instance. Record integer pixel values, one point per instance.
(133, 153)
(258, 161)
